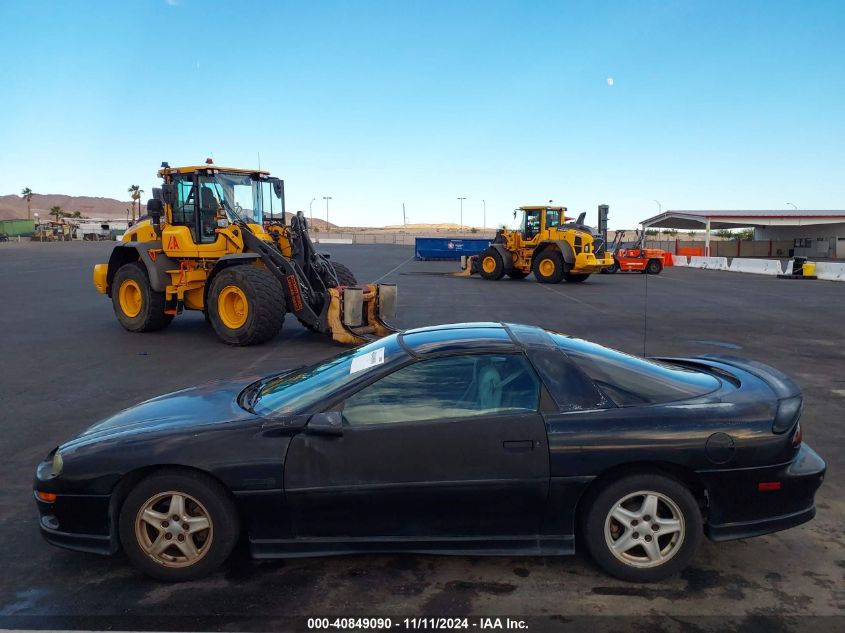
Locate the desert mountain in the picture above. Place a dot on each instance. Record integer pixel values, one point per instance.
(14, 207)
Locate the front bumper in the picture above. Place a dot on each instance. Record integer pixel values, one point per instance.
(589, 263)
(738, 509)
(81, 522)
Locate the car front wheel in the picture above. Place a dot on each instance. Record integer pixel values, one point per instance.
(643, 528)
(178, 525)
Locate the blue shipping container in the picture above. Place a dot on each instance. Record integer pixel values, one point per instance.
(428, 248)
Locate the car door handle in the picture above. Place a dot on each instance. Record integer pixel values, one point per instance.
(518, 445)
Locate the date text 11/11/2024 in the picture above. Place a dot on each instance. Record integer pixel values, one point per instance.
(424, 623)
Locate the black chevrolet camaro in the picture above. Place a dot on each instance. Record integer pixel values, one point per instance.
(479, 438)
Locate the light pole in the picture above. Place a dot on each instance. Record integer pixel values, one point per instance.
(659, 206)
(311, 209)
(327, 198)
(484, 222)
(41, 233)
(792, 205)
(462, 213)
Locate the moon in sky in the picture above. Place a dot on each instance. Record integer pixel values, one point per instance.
(610, 81)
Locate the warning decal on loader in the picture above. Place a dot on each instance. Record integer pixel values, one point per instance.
(173, 243)
(293, 286)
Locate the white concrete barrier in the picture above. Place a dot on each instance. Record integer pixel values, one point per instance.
(333, 240)
(756, 266)
(830, 271)
(709, 263)
(680, 260)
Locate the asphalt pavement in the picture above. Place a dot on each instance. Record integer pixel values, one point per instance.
(65, 362)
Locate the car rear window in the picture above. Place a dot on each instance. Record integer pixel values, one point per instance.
(629, 380)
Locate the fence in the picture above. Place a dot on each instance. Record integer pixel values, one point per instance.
(408, 239)
(726, 248)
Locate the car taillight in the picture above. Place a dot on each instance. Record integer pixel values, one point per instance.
(798, 436)
(789, 410)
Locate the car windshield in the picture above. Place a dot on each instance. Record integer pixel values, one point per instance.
(304, 390)
(629, 380)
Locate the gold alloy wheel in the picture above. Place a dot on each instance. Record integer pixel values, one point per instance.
(130, 297)
(489, 264)
(547, 268)
(174, 529)
(232, 307)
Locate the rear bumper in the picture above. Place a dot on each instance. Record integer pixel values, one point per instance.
(738, 509)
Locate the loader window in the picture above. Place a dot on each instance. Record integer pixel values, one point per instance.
(185, 209)
(552, 218)
(531, 224)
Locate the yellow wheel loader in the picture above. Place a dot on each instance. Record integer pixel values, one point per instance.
(546, 245)
(215, 239)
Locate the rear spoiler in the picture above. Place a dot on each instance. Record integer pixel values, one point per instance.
(780, 383)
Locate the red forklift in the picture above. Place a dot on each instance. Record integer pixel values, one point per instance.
(633, 256)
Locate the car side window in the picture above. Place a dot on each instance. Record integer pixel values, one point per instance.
(450, 387)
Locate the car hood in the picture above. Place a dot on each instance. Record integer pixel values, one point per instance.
(208, 404)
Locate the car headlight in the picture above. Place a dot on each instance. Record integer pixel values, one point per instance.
(58, 464)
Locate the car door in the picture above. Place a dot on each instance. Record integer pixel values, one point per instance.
(443, 448)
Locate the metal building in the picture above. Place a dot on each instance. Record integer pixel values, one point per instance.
(817, 233)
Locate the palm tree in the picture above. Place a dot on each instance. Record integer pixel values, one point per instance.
(57, 211)
(136, 192)
(26, 193)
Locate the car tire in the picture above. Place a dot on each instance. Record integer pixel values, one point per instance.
(490, 264)
(654, 267)
(246, 305)
(548, 267)
(575, 278)
(619, 527)
(185, 554)
(137, 306)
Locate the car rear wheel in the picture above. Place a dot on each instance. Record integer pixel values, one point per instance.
(654, 267)
(178, 525)
(643, 527)
(490, 265)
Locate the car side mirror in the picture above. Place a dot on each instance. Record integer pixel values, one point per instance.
(326, 423)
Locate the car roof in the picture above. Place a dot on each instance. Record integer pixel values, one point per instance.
(458, 337)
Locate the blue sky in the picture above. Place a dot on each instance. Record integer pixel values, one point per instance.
(719, 105)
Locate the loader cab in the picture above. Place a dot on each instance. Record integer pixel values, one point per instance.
(207, 200)
(537, 220)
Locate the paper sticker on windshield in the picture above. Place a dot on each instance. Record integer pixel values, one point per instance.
(365, 361)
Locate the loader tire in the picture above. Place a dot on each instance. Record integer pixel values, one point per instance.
(490, 265)
(246, 305)
(137, 306)
(345, 277)
(575, 278)
(548, 267)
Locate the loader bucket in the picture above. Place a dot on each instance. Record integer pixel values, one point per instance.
(356, 314)
(469, 265)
